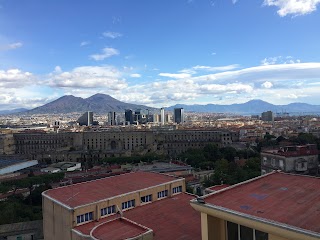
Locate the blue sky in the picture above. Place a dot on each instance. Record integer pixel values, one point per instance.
(160, 53)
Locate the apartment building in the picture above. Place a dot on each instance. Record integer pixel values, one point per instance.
(294, 159)
(137, 205)
(275, 206)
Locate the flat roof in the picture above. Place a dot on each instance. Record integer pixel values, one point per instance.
(93, 191)
(169, 218)
(118, 229)
(9, 162)
(278, 197)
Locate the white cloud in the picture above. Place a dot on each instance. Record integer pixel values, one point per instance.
(15, 45)
(234, 1)
(175, 75)
(135, 75)
(15, 78)
(58, 69)
(278, 83)
(189, 71)
(293, 7)
(106, 77)
(11, 46)
(231, 88)
(216, 69)
(267, 85)
(279, 60)
(106, 53)
(84, 43)
(112, 35)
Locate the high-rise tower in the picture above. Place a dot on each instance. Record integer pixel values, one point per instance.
(179, 115)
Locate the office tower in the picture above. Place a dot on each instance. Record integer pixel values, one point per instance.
(112, 118)
(267, 116)
(86, 119)
(179, 115)
(162, 116)
(141, 116)
(128, 116)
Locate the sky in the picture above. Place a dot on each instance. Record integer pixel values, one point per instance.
(160, 53)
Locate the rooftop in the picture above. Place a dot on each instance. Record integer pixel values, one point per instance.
(9, 162)
(93, 191)
(295, 151)
(278, 197)
(169, 218)
(118, 229)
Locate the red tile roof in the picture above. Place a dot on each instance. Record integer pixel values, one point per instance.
(285, 198)
(89, 192)
(170, 218)
(118, 229)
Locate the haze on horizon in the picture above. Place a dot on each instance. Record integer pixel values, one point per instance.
(159, 53)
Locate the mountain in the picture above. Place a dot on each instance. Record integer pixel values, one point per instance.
(98, 103)
(13, 111)
(101, 103)
(251, 107)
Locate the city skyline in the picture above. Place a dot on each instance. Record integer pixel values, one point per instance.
(159, 53)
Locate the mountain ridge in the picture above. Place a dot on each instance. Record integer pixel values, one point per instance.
(102, 103)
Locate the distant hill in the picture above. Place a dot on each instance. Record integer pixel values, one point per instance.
(13, 111)
(101, 103)
(251, 107)
(98, 103)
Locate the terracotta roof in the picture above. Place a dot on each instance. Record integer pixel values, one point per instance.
(279, 197)
(169, 218)
(89, 192)
(118, 229)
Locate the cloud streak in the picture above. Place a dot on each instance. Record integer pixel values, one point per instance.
(11, 46)
(112, 35)
(106, 53)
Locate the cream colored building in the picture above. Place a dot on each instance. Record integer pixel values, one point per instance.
(69, 207)
(275, 206)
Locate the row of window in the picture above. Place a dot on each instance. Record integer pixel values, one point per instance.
(108, 210)
(146, 199)
(177, 189)
(85, 217)
(125, 205)
(239, 232)
(128, 204)
(163, 194)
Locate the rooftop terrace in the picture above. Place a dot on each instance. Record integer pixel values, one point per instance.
(169, 218)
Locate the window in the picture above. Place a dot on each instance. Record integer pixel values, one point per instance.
(177, 189)
(232, 231)
(108, 210)
(281, 164)
(128, 204)
(239, 232)
(246, 233)
(85, 217)
(146, 199)
(162, 194)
